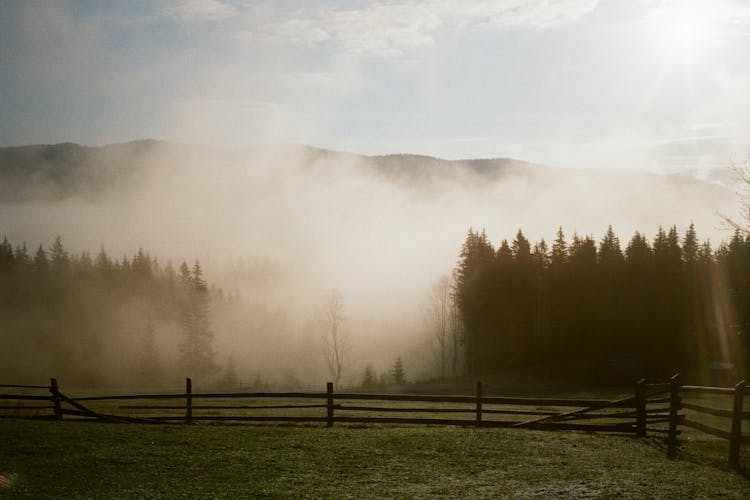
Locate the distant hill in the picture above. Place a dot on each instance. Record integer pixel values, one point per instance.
(63, 170)
(48, 172)
(130, 171)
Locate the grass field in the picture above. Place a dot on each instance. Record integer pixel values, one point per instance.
(96, 460)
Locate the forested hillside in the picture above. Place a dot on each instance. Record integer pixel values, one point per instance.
(95, 321)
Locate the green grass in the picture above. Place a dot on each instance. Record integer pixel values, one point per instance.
(97, 460)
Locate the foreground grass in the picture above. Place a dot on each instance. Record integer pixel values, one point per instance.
(96, 460)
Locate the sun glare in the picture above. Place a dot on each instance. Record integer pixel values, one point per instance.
(686, 34)
(685, 30)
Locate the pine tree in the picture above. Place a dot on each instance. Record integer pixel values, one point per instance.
(610, 294)
(41, 264)
(397, 372)
(638, 251)
(186, 279)
(22, 258)
(610, 253)
(582, 264)
(142, 266)
(7, 258)
(559, 254)
(199, 284)
(196, 348)
(541, 256)
(690, 246)
(521, 248)
(59, 258)
(474, 282)
(369, 379)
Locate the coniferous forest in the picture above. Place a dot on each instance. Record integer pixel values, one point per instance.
(651, 307)
(95, 320)
(658, 306)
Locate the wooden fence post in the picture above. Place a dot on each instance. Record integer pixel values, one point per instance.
(640, 408)
(329, 404)
(479, 403)
(674, 406)
(736, 438)
(188, 401)
(54, 389)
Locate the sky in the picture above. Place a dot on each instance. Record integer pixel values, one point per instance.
(649, 84)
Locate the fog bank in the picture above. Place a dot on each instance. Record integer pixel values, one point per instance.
(279, 226)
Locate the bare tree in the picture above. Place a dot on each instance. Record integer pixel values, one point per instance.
(742, 175)
(445, 326)
(335, 339)
(455, 330)
(438, 311)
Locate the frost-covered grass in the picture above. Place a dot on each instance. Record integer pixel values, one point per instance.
(97, 460)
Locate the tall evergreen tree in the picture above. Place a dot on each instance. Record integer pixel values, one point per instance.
(397, 372)
(690, 246)
(41, 264)
(59, 258)
(474, 281)
(196, 349)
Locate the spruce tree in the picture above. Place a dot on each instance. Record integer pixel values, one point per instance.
(59, 258)
(369, 379)
(690, 246)
(397, 372)
(196, 348)
(41, 264)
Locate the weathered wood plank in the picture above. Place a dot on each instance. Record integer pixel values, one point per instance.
(384, 409)
(706, 428)
(27, 407)
(707, 390)
(598, 406)
(674, 406)
(25, 397)
(735, 440)
(218, 407)
(719, 412)
(16, 386)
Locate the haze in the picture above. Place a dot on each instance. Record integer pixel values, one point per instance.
(628, 113)
(281, 226)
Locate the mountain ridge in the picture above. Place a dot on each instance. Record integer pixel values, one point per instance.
(62, 170)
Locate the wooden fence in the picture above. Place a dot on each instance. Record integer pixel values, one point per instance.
(29, 401)
(736, 415)
(653, 408)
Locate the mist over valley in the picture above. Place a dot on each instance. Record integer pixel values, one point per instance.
(278, 227)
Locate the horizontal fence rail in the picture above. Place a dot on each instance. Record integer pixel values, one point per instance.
(653, 408)
(344, 407)
(735, 415)
(27, 401)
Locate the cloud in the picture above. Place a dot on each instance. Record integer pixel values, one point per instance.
(379, 30)
(202, 10)
(227, 103)
(384, 30)
(517, 13)
(727, 16)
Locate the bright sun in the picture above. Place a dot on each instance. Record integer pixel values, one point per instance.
(686, 34)
(685, 29)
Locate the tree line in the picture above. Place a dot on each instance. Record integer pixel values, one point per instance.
(93, 319)
(664, 305)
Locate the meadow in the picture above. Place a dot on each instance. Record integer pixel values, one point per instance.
(68, 459)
